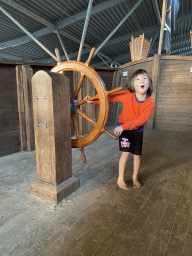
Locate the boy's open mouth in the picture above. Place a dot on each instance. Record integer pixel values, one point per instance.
(142, 86)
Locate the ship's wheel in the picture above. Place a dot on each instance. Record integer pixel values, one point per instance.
(101, 94)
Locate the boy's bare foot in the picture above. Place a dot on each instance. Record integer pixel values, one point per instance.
(136, 183)
(122, 184)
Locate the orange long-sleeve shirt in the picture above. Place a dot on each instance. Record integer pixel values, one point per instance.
(134, 114)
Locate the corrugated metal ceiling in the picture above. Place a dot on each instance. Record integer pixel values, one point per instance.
(43, 17)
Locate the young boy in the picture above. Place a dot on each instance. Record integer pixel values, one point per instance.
(137, 108)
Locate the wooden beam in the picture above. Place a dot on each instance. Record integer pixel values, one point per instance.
(162, 25)
(155, 79)
(24, 94)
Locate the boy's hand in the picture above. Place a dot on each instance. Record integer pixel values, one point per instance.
(86, 97)
(118, 130)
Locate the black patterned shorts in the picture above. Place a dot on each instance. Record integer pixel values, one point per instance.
(130, 141)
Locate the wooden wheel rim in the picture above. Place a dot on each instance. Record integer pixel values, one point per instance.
(97, 82)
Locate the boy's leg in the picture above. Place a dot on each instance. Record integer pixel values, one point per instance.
(136, 165)
(122, 164)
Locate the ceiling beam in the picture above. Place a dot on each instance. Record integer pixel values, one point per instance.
(157, 12)
(144, 30)
(118, 26)
(19, 54)
(96, 9)
(48, 30)
(125, 38)
(52, 28)
(29, 13)
(111, 42)
(25, 39)
(70, 20)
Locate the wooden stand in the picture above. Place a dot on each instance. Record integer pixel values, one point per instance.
(139, 47)
(52, 125)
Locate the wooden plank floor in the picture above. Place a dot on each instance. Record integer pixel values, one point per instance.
(99, 218)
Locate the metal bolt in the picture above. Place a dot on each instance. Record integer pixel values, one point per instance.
(37, 97)
(39, 124)
(45, 97)
(47, 125)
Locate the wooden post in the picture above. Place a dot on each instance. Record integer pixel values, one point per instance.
(52, 123)
(162, 25)
(24, 93)
(155, 79)
(141, 50)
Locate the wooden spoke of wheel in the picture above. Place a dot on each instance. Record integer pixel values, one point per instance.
(94, 123)
(87, 63)
(78, 137)
(81, 102)
(110, 134)
(58, 55)
(75, 126)
(78, 111)
(74, 96)
(90, 56)
(83, 155)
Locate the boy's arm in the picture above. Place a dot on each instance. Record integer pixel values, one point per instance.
(141, 120)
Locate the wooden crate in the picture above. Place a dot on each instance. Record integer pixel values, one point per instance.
(139, 47)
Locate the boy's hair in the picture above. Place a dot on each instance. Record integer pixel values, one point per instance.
(130, 83)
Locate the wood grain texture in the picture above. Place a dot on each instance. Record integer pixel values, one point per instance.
(52, 126)
(9, 118)
(174, 105)
(24, 94)
(99, 218)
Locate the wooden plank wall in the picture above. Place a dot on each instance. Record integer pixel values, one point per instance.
(9, 118)
(174, 104)
(10, 141)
